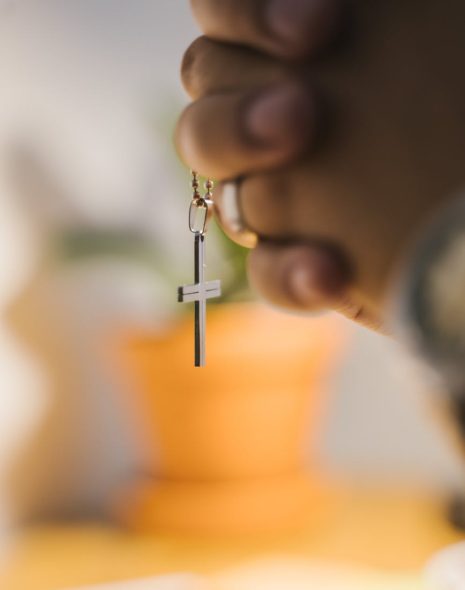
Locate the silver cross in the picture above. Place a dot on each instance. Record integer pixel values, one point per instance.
(199, 293)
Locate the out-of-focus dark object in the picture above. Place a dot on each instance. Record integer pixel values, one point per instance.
(431, 317)
(432, 303)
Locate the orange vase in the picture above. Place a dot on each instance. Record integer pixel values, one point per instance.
(227, 446)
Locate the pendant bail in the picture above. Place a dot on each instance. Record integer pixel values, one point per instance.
(201, 208)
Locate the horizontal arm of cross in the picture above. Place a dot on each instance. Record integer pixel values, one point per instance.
(199, 291)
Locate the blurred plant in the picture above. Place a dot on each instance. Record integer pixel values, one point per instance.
(78, 245)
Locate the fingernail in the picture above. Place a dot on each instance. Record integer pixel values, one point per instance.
(303, 287)
(302, 23)
(280, 114)
(316, 277)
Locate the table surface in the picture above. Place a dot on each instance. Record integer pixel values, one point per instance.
(388, 531)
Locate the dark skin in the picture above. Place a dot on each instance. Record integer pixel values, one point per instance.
(345, 149)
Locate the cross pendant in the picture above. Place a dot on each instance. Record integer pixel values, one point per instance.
(199, 293)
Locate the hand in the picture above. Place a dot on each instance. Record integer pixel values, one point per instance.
(340, 155)
(299, 32)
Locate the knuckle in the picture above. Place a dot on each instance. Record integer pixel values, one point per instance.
(199, 8)
(264, 202)
(200, 152)
(265, 278)
(183, 133)
(191, 66)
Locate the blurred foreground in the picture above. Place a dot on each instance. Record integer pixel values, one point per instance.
(361, 540)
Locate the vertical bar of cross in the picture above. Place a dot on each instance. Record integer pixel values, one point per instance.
(200, 306)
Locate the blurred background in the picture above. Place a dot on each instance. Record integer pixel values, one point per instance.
(94, 242)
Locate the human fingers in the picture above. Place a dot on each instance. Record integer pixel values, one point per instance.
(297, 276)
(210, 67)
(284, 28)
(292, 266)
(306, 277)
(279, 205)
(228, 135)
